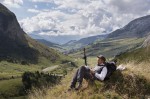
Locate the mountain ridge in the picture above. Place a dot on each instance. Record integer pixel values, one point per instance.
(47, 43)
(139, 27)
(17, 46)
(83, 42)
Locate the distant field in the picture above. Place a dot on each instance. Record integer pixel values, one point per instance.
(110, 48)
(7, 70)
(11, 88)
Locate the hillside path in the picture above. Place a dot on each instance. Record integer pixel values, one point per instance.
(50, 68)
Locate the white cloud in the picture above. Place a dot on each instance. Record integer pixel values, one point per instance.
(43, 21)
(130, 6)
(33, 11)
(84, 17)
(41, 0)
(13, 3)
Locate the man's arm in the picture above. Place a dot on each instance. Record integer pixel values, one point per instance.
(102, 75)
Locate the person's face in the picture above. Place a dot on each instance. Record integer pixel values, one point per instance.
(100, 61)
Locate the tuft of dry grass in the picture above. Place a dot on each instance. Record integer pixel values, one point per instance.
(142, 68)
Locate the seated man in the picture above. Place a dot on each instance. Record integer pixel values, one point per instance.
(98, 73)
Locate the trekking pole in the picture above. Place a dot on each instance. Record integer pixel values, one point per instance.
(85, 58)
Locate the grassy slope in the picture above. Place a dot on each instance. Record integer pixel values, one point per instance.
(46, 54)
(138, 55)
(111, 47)
(137, 60)
(122, 85)
(82, 42)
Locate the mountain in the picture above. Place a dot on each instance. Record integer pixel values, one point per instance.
(34, 36)
(51, 45)
(129, 37)
(77, 44)
(70, 42)
(87, 40)
(139, 27)
(17, 46)
(47, 43)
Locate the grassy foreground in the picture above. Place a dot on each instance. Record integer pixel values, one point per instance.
(127, 84)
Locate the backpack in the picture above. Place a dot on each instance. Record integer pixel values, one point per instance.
(111, 67)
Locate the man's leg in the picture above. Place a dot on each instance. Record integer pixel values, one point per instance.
(82, 73)
(74, 80)
(78, 77)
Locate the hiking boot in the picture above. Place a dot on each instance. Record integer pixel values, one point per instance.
(79, 86)
(71, 88)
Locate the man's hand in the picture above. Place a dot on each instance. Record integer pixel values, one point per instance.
(92, 72)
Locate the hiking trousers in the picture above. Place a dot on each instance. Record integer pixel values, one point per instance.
(81, 73)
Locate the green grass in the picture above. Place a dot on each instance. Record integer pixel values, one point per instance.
(11, 88)
(7, 70)
(138, 55)
(11, 67)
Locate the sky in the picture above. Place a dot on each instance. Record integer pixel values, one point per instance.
(75, 18)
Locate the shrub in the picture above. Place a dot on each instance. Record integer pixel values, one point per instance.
(39, 80)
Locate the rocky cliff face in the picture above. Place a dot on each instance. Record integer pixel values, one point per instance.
(16, 45)
(9, 27)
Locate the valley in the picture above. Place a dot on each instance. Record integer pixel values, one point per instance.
(40, 69)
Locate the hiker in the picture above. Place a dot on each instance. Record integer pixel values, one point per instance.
(98, 73)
